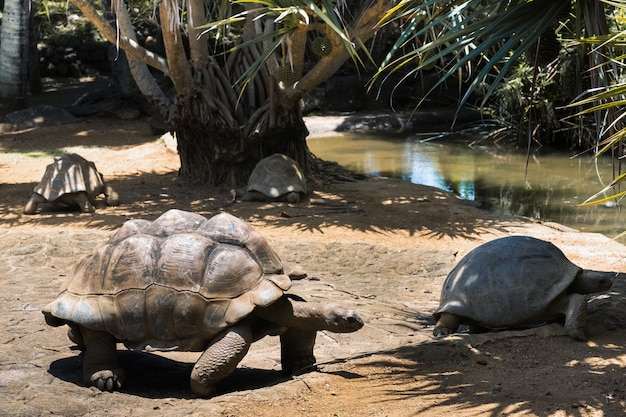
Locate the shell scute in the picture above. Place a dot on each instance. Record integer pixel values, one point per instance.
(188, 314)
(181, 260)
(230, 271)
(131, 264)
(130, 228)
(160, 314)
(131, 313)
(175, 221)
(88, 274)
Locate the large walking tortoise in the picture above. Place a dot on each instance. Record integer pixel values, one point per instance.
(71, 180)
(188, 283)
(516, 281)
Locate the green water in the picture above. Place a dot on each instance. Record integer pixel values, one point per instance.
(550, 190)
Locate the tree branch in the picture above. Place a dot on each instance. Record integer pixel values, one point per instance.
(180, 70)
(132, 48)
(138, 69)
(364, 29)
(198, 45)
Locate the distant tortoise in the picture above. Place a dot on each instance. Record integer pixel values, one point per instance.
(515, 281)
(187, 283)
(276, 178)
(71, 180)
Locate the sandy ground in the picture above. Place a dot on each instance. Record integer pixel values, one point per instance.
(384, 249)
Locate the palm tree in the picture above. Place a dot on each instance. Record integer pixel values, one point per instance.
(239, 79)
(14, 53)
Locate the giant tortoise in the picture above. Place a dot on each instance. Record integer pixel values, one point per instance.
(515, 281)
(185, 282)
(276, 178)
(71, 180)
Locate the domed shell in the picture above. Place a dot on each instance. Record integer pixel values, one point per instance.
(173, 283)
(507, 281)
(276, 176)
(69, 173)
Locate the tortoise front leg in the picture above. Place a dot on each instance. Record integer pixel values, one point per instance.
(220, 359)
(296, 349)
(101, 366)
(447, 324)
(302, 320)
(111, 196)
(574, 306)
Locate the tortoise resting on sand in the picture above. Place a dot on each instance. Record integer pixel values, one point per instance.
(276, 178)
(71, 180)
(516, 281)
(188, 283)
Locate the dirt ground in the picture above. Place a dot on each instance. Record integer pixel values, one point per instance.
(384, 248)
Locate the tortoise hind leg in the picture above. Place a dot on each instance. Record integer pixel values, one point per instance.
(220, 359)
(101, 366)
(447, 324)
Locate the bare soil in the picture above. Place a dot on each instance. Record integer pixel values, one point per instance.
(384, 248)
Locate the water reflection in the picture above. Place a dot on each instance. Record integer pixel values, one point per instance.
(555, 183)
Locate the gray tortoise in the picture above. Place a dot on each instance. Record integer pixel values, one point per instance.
(516, 281)
(71, 180)
(276, 178)
(188, 283)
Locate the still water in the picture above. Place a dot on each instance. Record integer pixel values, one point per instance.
(550, 191)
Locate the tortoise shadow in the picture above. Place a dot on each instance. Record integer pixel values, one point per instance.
(157, 377)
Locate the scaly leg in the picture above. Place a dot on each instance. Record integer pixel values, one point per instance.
(574, 306)
(220, 359)
(296, 349)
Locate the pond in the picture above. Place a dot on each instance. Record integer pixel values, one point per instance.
(549, 190)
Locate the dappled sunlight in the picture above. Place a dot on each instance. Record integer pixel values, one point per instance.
(499, 378)
(85, 133)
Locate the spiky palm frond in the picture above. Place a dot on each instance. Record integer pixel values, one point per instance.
(457, 36)
(282, 18)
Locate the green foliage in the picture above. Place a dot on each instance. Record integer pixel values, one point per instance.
(482, 38)
(322, 20)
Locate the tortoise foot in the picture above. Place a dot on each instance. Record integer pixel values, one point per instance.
(107, 380)
(442, 331)
(577, 334)
(298, 365)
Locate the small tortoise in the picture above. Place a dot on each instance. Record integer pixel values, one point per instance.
(276, 178)
(188, 283)
(71, 180)
(515, 281)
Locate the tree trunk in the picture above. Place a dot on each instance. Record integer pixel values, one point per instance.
(14, 53)
(215, 148)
